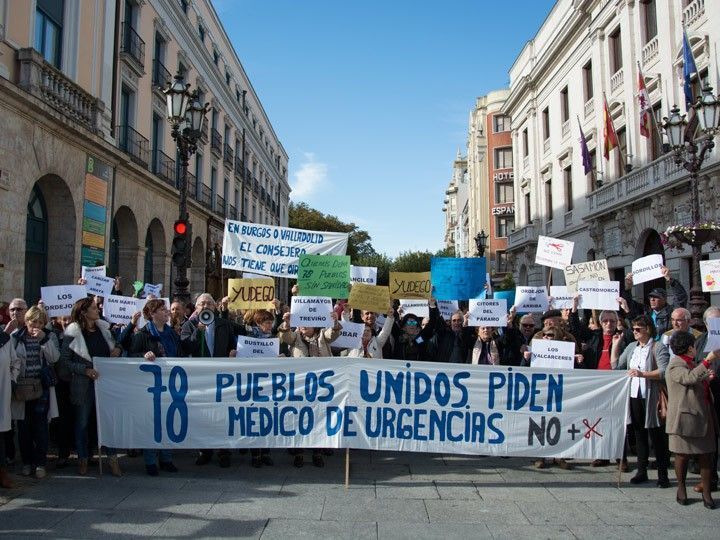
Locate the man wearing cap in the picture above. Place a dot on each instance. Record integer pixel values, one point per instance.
(659, 310)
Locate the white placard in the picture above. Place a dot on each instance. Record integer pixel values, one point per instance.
(447, 308)
(710, 275)
(561, 298)
(647, 268)
(531, 299)
(99, 285)
(599, 295)
(251, 275)
(97, 270)
(549, 353)
(314, 311)
(488, 312)
(350, 336)
(419, 308)
(586, 271)
(155, 290)
(554, 252)
(363, 274)
(713, 340)
(120, 309)
(250, 347)
(59, 300)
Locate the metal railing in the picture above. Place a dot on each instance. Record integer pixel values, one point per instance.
(232, 212)
(132, 44)
(228, 155)
(219, 205)
(206, 197)
(133, 143)
(164, 166)
(160, 74)
(215, 141)
(192, 186)
(239, 166)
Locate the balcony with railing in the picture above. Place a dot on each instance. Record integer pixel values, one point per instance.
(204, 134)
(616, 81)
(546, 145)
(132, 48)
(548, 227)
(239, 167)
(53, 88)
(164, 167)
(232, 212)
(568, 218)
(523, 235)
(228, 156)
(694, 12)
(650, 52)
(192, 186)
(219, 205)
(589, 108)
(137, 146)
(160, 75)
(216, 142)
(566, 128)
(206, 197)
(256, 185)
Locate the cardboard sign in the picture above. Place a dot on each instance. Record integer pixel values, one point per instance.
(554, 252)
(599, 295)
(710, 275)
(420, 308)
(120, 309)
(315, 311)
(60, 300)
(647, 268)
(363, 274)
(87, 270)
(411, 285)
(488, 312)
(561, 298)
(369, 297)
(324, 275)
(155, 290)
(251, 293)
(447, 308)
(456, 278)
(588, 271)
(549, 353)
(713, 329)
(531, 299)
(250, 347)
(99, 285)
(350, 336)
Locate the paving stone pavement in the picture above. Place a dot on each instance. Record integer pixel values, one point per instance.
(392, 495)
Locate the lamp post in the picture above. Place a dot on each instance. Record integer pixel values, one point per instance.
(186, 116)
(690, 152)
(481, 243)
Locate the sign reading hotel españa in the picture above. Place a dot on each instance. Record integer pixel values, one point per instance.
(358, 403)
(275, 251)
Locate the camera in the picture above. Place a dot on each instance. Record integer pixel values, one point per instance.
(206, 316)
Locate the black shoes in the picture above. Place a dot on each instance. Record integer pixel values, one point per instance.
(152, 470)
(203, 458)
(663, 481)
(256, 462)
(639, 478)
(168, 466)
(298, 462)
(267, 460)
(224, 460)
(710, 505)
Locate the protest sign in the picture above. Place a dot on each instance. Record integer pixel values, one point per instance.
(561, 298)
(710, 275)
(275, 251)
(311, 311)
(549, 353)
(554, 252)
(457, 278)
(350, 336)
(187, 403)
(588, 271)
(155, 290)
(363, 274)
(251, 275)
(99, 285)
(87, 270)
(60, 299)
(410, 285)
(251, 293)
(250, 347)
(713, 331)
(369, 297)
(447, 308)
(598, 294)
(324, 275)
(419, 308)
(120, 309)
(488, 312)
(647, 268)
(531, 299)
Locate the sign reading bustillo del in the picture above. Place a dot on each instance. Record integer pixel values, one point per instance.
(355, 403)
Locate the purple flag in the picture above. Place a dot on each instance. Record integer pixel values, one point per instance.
(586, 161)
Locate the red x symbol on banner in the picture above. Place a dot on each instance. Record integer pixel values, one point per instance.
(591, 429)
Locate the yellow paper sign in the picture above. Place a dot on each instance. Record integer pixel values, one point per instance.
(251, 293)
(410, 285)
(369, 297)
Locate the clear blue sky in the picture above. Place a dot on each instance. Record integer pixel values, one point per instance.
(371, 98)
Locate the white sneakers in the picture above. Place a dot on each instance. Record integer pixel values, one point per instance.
(26, 470)
(40, 472)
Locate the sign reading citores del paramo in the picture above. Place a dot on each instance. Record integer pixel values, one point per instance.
(275, 251)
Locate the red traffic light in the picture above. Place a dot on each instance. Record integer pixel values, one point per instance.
(181, 227)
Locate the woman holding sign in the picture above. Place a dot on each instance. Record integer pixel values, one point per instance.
(156, 339)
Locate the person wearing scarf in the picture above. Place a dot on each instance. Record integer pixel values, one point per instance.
(691, 424)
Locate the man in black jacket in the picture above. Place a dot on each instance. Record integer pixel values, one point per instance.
(658, 310)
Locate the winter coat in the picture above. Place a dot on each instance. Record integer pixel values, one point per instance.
(376, 343)
(298, 346)
(9, 369)
(50, 353)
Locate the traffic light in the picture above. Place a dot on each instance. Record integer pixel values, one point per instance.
(181, 246)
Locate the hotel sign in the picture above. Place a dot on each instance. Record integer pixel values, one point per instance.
(503, 210)
(507, 176)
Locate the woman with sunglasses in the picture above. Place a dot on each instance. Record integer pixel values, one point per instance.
(645, 360)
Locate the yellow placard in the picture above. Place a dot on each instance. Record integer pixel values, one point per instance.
(251, 293)
(410, 285)
(93, 239)
(370, 297)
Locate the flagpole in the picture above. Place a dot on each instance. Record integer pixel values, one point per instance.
(612, 125)
(653, 120)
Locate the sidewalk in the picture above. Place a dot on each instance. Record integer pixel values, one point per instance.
(392, 495)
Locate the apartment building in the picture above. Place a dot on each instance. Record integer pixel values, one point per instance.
(456, 209)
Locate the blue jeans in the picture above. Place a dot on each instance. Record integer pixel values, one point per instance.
(33, 433)
(150, 456)
(82, 417)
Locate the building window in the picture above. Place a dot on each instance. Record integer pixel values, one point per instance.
(567, 174)
(501, 262)
(227, 78)
(564, 105)
(184, 5)
(649, 15)
(501, 123)
(528, 208)
(622, 151)
(548, 199)
(213, 185)
(216, 57)
(503, 226)
(595, 182)
(198, 173)
(503, 158)
(616, 62)
(546, 123)
(48, 29)
(656, 149)
(588, 81)
(504, 193)
(201, 33)
(525, 145)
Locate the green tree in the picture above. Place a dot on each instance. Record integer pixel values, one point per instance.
(412, 261)
(379, 260)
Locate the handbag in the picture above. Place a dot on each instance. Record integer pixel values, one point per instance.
(662, 403)
(47, 375)
(28, 389)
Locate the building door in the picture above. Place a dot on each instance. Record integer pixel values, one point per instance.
(36, 246)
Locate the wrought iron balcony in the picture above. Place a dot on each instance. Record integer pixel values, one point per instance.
(132, 47)
(192, 186)
(220, 205)
(216, 142)
(164, 166)
(523, 235)
(160, 75)
(228, 155)
(232, 212)
(239, 167)
(206, 197)
(134, 144)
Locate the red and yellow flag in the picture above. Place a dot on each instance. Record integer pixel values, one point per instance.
(610, 137)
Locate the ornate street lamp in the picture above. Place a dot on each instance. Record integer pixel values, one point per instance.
(186, 116)
(481, 243)
(690, 151)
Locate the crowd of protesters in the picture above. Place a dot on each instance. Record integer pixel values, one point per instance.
(47, 373)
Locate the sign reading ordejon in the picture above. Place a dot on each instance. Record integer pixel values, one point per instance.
(275, 251)
(60, 299)
(554, 252)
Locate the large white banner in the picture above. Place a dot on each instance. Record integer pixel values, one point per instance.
(275, 251)
(357, 403)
